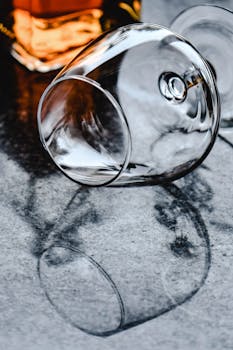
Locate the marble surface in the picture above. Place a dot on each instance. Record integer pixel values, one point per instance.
(148, 266)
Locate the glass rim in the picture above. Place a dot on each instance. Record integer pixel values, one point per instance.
(115, 105)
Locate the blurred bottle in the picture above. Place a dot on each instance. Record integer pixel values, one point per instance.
(47, 34)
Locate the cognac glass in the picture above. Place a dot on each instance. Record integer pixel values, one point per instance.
(137, 105)
(210, 29)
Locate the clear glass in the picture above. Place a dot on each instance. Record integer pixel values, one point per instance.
(137, 105)
(210, 29)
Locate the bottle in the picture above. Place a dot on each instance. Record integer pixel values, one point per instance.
(47, 34)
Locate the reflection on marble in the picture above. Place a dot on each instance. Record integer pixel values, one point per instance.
(117, 253)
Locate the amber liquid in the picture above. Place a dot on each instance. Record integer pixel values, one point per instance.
(49, 33)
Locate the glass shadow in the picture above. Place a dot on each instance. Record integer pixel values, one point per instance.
(140, 259)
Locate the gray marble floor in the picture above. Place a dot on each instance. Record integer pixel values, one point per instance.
(151, 267)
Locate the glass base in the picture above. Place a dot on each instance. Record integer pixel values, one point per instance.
(45, 44)
(35, 64)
